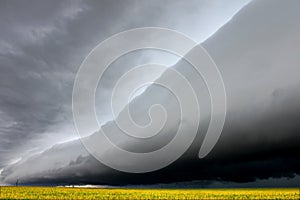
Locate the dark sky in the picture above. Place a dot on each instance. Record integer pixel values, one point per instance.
(44, 43)
(257, 52)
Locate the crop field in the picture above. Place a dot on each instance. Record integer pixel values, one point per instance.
(99, 193)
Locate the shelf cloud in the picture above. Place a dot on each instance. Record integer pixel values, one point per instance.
(256, 52)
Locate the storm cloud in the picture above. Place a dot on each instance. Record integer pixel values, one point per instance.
(42, 45)
(257, 53)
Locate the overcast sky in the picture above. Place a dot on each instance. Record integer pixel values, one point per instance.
(42, 45)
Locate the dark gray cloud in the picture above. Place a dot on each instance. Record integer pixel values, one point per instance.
(42, 45)
(257, 53)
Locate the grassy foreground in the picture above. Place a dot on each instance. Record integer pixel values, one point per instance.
(89, 193)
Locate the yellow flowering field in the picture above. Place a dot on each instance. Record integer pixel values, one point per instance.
(114, 193)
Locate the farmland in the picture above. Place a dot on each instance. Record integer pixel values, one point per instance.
(118, 193)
